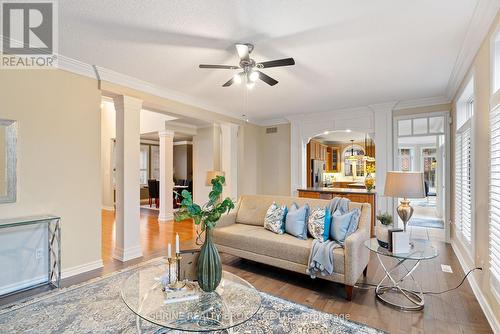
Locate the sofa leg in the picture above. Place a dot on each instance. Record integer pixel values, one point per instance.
(365, 271)
(348, 292)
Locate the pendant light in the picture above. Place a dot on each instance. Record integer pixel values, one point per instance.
(352, 157)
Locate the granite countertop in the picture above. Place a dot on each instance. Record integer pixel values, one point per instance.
(338, 190)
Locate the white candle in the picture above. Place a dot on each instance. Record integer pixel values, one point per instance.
(169, 253)
(177, 248)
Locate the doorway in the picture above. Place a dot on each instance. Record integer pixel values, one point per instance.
(421, 145)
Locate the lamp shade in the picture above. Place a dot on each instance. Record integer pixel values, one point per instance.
(212, 174)
(404, 184)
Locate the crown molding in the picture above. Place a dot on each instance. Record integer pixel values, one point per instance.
(105, 74)
(76, 66)
(424, 102)
(480, 23)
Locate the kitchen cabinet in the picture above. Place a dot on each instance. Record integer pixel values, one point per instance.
(317, 150)
(333, 159)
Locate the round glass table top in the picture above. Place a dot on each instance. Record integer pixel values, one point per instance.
(190, 309)
(420, 250)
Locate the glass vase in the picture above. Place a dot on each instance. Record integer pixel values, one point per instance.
(209, 264)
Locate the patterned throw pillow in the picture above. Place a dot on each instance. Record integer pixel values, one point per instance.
(275, 218)
(319, 222)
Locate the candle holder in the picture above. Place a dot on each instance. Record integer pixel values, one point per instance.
(178, 284)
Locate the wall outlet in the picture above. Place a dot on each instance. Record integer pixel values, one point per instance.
(39, 253)
(446, 268)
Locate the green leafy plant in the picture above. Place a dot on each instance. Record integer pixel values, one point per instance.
(209, 214)
(385, 218)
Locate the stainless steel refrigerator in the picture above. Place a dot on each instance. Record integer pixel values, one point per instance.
(318, 168)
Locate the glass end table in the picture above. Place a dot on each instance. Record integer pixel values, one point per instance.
(390, 289)
(192, 310)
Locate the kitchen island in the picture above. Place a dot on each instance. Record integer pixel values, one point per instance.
(354, 194)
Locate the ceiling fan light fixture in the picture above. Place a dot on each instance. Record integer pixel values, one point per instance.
(254, 76)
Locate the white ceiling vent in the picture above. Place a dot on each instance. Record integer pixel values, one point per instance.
(273, 129)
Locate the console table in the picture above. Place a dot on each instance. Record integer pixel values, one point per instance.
(54, 244)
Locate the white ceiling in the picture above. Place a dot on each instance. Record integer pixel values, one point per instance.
(347, 53)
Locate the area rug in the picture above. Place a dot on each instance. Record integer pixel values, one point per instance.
(96, 307)
(426, 222)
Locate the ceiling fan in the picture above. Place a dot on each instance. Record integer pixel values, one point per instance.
(250, 73)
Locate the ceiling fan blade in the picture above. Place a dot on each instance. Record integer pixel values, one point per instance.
(222, 67)
(277, 63)
(243, 51)
(267, 79)
(229, 83)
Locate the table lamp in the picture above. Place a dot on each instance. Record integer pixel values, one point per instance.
(212, 174)
(404, 185)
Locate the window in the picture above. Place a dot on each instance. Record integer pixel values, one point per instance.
(149, 163)
(463, 167)
(405, 159)
(357, 166)
(144, 164)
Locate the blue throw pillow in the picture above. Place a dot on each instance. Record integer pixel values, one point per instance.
(296, 221)
(344, 225)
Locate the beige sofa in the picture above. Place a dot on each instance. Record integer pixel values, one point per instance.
(242, 233)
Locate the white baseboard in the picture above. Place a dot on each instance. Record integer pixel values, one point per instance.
(108, 208)
(166, 218)
(81, 269)
(485, 306)
(22, 285)
(127, 254)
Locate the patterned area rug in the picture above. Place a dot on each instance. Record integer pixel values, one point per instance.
(96, 307)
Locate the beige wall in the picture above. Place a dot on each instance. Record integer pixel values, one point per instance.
(274, 161)
(248, 159)
(482, 76)
(58, 166)
(203, 161)
(108, 134)
(183, 162)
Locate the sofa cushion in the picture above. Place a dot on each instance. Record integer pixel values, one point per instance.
(261, 241)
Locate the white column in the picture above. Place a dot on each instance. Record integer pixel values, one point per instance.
(229, 159)
(384, 151)
(166, 175)
(127, 231)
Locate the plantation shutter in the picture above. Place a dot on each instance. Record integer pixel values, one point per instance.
(458, 182)
(463, 184)
(466, 186)
(495, 197)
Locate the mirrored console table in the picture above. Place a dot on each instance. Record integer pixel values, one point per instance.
(54, 245)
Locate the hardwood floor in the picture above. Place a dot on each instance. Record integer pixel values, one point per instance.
(454, 312)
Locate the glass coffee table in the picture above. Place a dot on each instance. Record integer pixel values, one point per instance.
(391, 289)
(192, 310)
